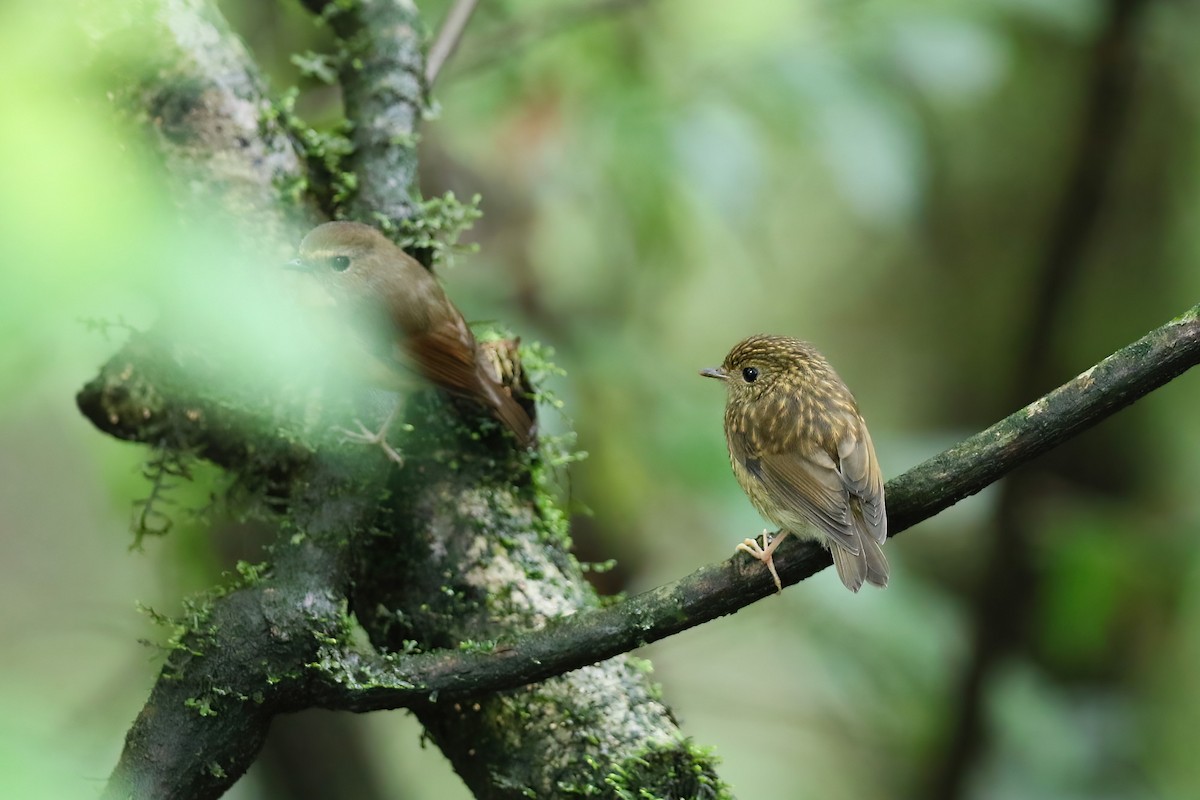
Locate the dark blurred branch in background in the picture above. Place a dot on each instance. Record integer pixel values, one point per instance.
(1004, 602)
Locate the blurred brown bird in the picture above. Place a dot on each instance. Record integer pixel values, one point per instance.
(801, 452)
(405, 321)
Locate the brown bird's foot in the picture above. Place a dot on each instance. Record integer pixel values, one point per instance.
(765, 554)
(365, 435)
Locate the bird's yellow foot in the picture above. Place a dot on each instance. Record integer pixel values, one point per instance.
(764, 553)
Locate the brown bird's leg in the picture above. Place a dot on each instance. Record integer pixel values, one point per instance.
(365, 435)
(764, 554)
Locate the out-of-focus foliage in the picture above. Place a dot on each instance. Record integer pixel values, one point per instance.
(659, 181)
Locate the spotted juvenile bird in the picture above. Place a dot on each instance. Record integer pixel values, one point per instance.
(801, 452)
(404, 322)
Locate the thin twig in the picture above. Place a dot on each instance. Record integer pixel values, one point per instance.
(512, 38)
(448, 38)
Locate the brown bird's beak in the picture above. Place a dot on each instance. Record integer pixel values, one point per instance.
(714, 372)
(296, 265)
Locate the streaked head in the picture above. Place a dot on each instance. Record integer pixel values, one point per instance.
(760, 363)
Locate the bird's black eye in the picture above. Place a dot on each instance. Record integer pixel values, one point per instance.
(339, 263)
(749, 374)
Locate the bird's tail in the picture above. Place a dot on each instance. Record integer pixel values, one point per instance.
(499, 398)
(868, 564)
(510, 412)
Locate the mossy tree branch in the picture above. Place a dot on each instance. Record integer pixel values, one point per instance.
(720, 589)
(235, 669)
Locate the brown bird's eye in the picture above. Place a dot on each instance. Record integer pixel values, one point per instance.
(749, 374)
(339, 263)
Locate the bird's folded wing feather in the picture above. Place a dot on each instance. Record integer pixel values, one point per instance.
(445, 355)
(810, 486)
(859, 470)
(448, 356)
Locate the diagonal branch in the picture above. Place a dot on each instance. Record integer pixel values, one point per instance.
(1132, 372)
(448, 38)
(489, 48)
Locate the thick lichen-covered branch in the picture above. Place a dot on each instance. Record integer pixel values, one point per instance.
(716, 590)
(201, 103)
(467, 559)
(233, 670)
(454, 549)
(380, 69)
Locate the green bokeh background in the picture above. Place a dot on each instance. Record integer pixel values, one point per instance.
(879, 177)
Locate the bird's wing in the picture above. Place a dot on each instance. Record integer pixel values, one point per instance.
(448, 356)
(835, 488)
(802, 484)
(859, 470)
(809, 485)
(445, 355)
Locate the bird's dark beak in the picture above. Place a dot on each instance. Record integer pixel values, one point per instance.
(296, 265)
(714, 372)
